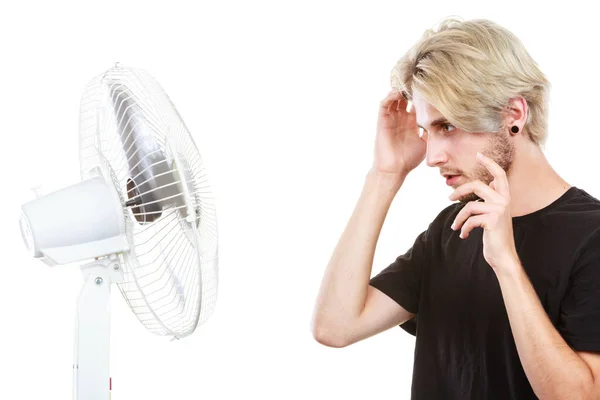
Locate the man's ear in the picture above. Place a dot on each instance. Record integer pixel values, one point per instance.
(516, 114)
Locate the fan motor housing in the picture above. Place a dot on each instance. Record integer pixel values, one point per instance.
(80, 222)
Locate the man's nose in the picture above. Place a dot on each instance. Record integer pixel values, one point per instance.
(436, 153)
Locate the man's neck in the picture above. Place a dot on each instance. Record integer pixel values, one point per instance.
(533, 182)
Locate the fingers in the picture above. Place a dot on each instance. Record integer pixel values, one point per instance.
(473, 208)
(478, 221)
(392, 96)
(500, 180)
(393, 102)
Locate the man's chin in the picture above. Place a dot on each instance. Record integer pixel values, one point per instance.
(468, 198)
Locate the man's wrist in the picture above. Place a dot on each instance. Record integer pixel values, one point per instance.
(510, 269)
(386, 180)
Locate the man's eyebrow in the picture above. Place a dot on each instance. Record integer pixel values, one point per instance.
(436, 122)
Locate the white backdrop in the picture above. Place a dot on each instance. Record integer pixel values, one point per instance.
(282, 100)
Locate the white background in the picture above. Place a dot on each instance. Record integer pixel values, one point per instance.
(282, 100)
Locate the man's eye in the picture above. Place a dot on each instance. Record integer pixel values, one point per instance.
(448, 127)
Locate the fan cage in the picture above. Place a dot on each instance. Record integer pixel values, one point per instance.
(171, 269)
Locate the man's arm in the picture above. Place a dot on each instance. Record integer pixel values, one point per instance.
(347, 308)
(554, 370)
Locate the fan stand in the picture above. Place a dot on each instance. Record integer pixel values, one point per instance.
(91, 374)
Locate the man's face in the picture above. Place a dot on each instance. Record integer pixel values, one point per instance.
(453, 150)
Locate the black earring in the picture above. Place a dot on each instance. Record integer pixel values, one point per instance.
(514, 129)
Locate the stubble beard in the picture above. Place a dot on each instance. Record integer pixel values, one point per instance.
(502, 151)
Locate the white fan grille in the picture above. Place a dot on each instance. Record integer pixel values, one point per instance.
(131, 130)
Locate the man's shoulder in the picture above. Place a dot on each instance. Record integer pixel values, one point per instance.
(579, 209)
(569, 226)
(582, 200)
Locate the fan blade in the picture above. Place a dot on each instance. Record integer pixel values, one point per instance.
(151, 182)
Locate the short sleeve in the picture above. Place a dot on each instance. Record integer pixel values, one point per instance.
(579, 322)
(401, 280)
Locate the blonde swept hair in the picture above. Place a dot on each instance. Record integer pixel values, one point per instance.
(469, 70)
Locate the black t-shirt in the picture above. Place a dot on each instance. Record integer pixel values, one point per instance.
(464, 345)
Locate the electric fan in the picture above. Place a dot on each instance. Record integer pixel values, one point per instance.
(143, 217)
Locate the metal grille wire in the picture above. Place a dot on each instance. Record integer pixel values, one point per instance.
(131, 131)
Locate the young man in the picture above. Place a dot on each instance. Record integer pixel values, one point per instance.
(503, 288)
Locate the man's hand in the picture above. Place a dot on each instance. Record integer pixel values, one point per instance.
(398, 147)
(493, 215)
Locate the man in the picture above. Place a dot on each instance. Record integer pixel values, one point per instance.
(503, 288)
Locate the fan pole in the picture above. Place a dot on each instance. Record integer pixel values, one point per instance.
(91, 375)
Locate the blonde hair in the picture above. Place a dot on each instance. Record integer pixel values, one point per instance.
(469, 70)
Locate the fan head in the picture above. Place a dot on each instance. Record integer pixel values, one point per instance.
(131, 131)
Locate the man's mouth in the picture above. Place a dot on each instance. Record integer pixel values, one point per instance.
(451, 179)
